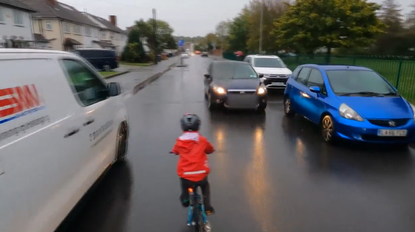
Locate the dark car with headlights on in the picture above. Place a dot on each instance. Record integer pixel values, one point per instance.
(234, 85)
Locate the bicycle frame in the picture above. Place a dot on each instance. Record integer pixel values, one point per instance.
(194, 197)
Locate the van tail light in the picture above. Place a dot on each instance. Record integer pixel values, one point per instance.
(118, 58)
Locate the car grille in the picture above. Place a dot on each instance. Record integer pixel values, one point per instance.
(269, 80)
(246, 100)
(386, 123)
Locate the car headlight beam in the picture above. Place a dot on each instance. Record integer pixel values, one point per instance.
(261, 90)
(219, 90)
(348, 113)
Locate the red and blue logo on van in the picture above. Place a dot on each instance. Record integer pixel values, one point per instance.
(19, 101)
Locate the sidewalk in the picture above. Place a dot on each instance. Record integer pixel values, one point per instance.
(139, 75)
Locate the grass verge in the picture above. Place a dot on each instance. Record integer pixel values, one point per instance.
(107, 74)
(136, 64)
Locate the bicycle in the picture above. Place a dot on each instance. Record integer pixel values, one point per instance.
(196, 215)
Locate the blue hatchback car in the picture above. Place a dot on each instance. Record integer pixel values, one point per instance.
(350, 102)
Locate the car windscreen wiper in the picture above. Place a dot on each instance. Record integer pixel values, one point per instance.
(367, 93)
(390, 94)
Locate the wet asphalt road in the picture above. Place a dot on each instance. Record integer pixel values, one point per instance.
(269, 173)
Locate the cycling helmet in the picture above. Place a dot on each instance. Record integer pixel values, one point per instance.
(190, 122)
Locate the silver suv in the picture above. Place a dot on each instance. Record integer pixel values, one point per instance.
(272, 67)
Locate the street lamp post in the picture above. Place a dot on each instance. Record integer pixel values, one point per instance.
(155, 35)
(260, 26)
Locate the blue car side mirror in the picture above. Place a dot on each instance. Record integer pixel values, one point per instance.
(315, 89)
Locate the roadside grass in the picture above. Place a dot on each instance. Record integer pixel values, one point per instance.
(107, 74)
(136, 64)
(387, 68)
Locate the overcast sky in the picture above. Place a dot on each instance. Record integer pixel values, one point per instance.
(186, 17)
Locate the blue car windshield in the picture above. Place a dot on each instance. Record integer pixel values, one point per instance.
(349, 82)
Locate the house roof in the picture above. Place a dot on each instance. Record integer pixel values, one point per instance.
(105, 24)
(44, 9)
(16, 4)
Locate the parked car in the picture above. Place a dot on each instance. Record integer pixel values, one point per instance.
(350, 102)
(184, 55)
(205, 54)
(234, 85)
(101, 59)
(274, 70)
(61, 127)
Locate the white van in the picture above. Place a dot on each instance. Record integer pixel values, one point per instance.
(61, 127)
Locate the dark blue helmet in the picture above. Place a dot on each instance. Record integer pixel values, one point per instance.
(190, 122)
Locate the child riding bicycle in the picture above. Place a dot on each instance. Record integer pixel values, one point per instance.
(193, 166)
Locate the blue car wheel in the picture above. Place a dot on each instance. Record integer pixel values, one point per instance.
(327, 129)
(289, 112)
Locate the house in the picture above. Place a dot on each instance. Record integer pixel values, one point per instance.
(15, 24)
(62, 25)
(111, 36)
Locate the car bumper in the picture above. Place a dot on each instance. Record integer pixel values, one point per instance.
(275, 83)
(232, 101)
(368, 132)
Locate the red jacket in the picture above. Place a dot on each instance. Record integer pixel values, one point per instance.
(193, 162)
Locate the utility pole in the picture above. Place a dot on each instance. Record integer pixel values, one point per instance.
(260, 26)
(155, 35)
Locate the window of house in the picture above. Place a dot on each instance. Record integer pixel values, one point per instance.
(87, 31)
(1, 15)
(112, 35)
(18, 17)
(66, 28)
(77, 30)
(48, 25)
(103, 35)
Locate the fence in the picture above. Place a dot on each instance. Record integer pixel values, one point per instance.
(399, 71)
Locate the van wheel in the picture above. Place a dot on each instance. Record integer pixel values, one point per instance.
(107, 68)
(122, 142)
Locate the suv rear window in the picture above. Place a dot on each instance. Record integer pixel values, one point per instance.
(268, 63)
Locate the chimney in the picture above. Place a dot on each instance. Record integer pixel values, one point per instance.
(113, 19)
(52, 2)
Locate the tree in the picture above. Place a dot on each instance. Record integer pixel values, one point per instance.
(410, 18)
(311, 24)
(211, 41)
(272, 10)
(394, 41)
(222, 32)
(238, 33)
(391, 16)
(171, 42)
(162, 36)
(134, 51)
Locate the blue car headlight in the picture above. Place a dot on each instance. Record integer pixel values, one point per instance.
(347, 112)
(413, 110)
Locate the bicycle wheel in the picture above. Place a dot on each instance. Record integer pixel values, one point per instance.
(196, 216)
